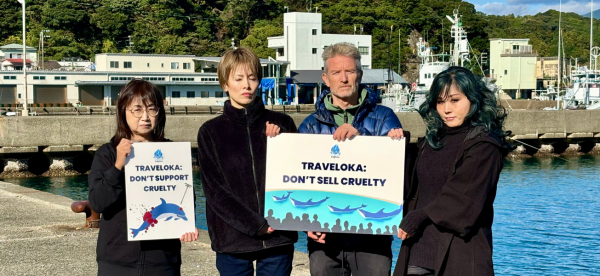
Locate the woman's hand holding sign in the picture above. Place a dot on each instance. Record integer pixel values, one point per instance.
(272, 130)
(123, 151)
(189, 236)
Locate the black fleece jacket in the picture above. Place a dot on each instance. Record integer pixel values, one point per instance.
(232, 151)
(107, 197)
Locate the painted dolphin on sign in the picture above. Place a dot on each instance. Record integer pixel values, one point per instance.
(345, 210)
(380, 214)
(162, 211)
(308, 203)
(282, 198)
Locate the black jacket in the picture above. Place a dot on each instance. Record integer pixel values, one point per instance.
(107, 197)
(232, 151)
(463, 211)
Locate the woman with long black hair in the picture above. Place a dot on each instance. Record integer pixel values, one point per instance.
(448, 208)
(140, 118)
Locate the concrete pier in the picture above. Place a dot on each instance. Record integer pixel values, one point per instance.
(40, 235)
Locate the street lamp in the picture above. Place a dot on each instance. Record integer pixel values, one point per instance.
(25, 111)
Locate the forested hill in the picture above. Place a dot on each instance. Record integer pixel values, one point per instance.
(81, 28)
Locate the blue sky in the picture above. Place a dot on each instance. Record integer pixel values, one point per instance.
(524, 7)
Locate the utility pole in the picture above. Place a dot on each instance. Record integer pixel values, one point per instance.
(399, 53)
(130, 45)
(25, 111)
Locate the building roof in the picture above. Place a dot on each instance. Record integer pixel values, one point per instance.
(16, 46)
(17, 60)
(370, 76)
(51, 65)
(145, 55)
(307, 76)
(262, 60)
(516, 39)
(380, 76)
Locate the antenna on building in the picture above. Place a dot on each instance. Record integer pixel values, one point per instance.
(354, 29)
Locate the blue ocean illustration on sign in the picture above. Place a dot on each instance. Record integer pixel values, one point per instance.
(335, 151)
(158, 156)
(380, 214)
(309, 210)
(309, 203)
(345, 210)
(282, 198)
(165, 211)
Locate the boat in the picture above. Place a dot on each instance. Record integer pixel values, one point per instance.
(409, 99)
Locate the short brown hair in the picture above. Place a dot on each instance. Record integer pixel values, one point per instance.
(149, 94)
(234, 58)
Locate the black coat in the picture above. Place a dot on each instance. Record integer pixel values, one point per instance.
(107, 197)
(463, 211)
(232, 151)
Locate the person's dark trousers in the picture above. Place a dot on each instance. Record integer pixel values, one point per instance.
(361, 260)
(269, 262)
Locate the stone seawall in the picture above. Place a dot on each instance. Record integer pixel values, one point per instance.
(64, 145)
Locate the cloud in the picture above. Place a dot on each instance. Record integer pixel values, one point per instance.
(542, 2)
(497, 8)
(531, 7)
(577, 7)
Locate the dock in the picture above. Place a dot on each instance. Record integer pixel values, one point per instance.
(40, 235)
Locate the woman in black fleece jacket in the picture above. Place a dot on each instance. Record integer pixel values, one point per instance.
(232, 152)
(140, 118)
(447, 228)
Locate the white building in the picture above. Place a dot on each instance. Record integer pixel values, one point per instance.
(181, 85)
(303, 42)
(513, 65)
(15, 51)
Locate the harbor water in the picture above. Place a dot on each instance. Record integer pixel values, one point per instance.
(546, 214)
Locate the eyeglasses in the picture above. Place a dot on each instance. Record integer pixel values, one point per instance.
(138, 112)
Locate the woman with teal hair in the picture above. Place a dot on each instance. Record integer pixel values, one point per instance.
(447, 227)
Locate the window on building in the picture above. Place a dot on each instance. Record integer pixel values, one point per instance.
(183, 79)
(162, 65)
(314, 50)
(175, 94)
(114, 64)
(363, 50)
(191, 94)
(10, 77)
(148, 65)
(60, 78)
(281, 52)
(127, 64)
(186, 65)
(174, 65)
(204, 94)
(219, 94)
(39, 77)
(505, 72)
(364, 67)
(515, 47)
(314, 31)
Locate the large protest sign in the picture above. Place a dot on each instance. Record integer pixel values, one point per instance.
(314, 183)
(160, 195)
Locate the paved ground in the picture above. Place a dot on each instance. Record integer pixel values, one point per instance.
(40, 235)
